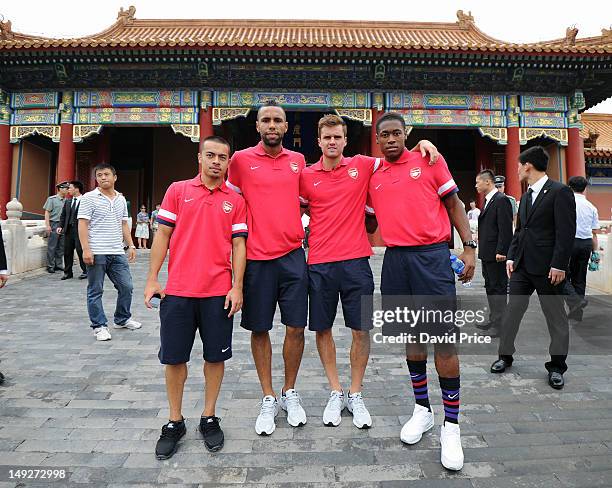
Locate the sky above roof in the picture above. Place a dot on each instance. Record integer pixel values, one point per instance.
(511, 21)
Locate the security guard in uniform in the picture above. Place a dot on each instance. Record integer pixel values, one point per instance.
(55, 243)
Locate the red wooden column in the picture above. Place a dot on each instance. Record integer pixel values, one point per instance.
(575, 153)
(66, 169)
(374, 149)
(205, 117)
(6, 167)
(103, 155)
(513, 149)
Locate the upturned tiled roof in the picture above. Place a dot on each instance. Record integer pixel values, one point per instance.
(462, 35)
(599, 127)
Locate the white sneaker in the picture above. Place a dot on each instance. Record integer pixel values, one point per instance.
(290, 403)
(421, 421)
(332, 415)
(102, 334)
(265, 424)
(451, 455)
(361, 416)
(130, 324)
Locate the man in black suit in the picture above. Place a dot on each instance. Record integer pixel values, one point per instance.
(494, 236)
(4, 275)
(69, 228)
(538, 260)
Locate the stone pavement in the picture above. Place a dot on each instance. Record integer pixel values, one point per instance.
(95, 409)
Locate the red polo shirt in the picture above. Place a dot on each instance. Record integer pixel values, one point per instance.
(204, 224)
(270, 186)
(337, 200)
(407, 199)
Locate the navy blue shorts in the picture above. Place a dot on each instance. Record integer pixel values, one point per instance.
(420, 277)
(349, 280)
(182, 316)
(417, 270)
(283, 280)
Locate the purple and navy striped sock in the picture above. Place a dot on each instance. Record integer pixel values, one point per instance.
(450, 397)
(418, 376)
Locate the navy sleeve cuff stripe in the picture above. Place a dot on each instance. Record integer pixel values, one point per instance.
(452, 192)
(165, 222)
(240, 234)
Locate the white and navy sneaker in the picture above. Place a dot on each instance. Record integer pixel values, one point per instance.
(290, 403)
(130, 324)
(421, 421)
(451, 454)
(332, 415)
(361, 416)
(265, 423)
(102, 334)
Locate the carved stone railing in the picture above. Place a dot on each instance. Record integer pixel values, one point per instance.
(25, 241)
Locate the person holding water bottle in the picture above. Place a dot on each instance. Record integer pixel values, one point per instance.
(415, 204)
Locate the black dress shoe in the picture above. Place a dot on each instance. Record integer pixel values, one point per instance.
(66, 277)
(500, 366)
(486, 326)
(555, 379)
(83, 276)
(50, 270)
(59, 268)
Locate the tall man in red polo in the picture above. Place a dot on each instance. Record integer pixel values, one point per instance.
(415, 205)
(203, 223)
(268, 176)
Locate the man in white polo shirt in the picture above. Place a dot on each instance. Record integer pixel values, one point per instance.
(585, 242)
(103, 226)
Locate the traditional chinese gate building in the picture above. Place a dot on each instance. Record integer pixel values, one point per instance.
(143, 93)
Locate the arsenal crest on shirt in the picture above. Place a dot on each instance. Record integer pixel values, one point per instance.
(415, 172)
(353, 173)
(227, 206)
(294, 166)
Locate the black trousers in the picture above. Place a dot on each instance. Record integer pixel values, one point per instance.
(496, 286)
(575, 284)
(522, 286)
(72, 242)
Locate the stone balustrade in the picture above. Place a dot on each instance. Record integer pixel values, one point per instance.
(25, 241)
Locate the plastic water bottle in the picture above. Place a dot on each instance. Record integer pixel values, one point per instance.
(458, 267)
(456, 264)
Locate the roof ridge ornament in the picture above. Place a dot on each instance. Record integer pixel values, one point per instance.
(570, 35)
(126, 16)
(465, 20)
(6, 33)
(607, 33)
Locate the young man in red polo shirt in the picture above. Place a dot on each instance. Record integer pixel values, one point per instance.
(203, 223)
(415, 205)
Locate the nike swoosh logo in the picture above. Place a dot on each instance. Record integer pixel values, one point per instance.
(317, 183)
(223, 350)
(254, 167)
(452, 397)
(378, 187)
(187, 200)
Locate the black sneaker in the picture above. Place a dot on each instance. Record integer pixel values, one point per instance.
(168, 440)
(213, 435)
